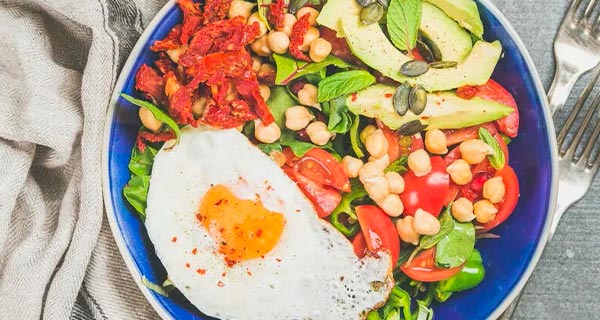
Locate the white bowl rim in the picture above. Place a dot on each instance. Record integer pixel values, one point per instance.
(139, 46)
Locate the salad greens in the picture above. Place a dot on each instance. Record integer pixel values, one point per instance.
(456, 247)
(289, 69)
(157, 112)
(497, 159)
(471, 274)
(136, 190)
(340, 120)
(344, 83)
(403, 20)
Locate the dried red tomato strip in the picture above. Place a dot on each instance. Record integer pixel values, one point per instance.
(180, 106)
(170, 42)
(192, 19)
(216, 10)
(144, 137)
(150, 83)
(276, 13)
(248, 88)
(297, 37)
(231, 114)
(164, 64)
(219, 86)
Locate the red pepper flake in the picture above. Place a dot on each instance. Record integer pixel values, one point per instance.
(248, 272)
(467, 92)
(174, 239)
(187, 265)
(194, 251)
(276, 13)
(201, 271)
(353, 97)
(298, 210)
(278, 260)
(259, 233)
(297, 37)
(388, 95)
(220, 284)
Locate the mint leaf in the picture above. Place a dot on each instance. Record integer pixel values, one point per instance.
(339, 116)
(455, 248)
(156, 111)
(403, 20)
(289, 69)
(343, 83)
(497, 159)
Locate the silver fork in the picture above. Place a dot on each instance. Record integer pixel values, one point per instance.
(576, 171)
(576, 50)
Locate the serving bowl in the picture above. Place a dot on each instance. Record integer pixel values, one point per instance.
(509, 260)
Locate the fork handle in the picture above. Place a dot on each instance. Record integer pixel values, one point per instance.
(561, 206)
(565, 77)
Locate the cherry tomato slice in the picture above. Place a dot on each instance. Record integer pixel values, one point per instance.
(456, 136)
(325, 199)
(379, 230)
(427, 192)
(321, 167)
(393, 141)
(359, 243)
(422, 268)
(507, 206)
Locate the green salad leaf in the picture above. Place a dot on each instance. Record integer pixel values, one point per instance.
(140, 163)
(279, 101)
(357, 192)
(156, 111)
(343, 83)
(136, 193)
(446, 227)
(456, 247)
(399, 165)
(355, 142)
(263, 8)
(396, 307)
(289, 69)
(497, 159)
(403, 21)
(340, 120)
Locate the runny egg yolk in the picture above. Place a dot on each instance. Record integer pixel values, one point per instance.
(244, 229)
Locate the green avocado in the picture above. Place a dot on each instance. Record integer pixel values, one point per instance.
(452, 40)
(444, 110)
(370, 45)
(334, 10)
(465, 12)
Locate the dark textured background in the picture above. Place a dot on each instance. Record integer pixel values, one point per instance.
(565, 283)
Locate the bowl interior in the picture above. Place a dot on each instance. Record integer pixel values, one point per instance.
(506, 259)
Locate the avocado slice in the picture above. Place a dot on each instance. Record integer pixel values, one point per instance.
(370, 45)
(444, 110)
(334, 10)
(465, 12)
(452, 40)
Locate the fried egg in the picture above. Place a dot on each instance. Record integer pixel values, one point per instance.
(240, 241)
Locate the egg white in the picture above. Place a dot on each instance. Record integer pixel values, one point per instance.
(312, 273)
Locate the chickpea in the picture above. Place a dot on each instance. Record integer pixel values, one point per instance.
(149, 120)
(308, 96)
(278, 42)
(266, 69)
(288, 23)
(419, 162)
(435, 141)
(240, 8)
(392, 205)
(318, 133)
(377, 188)
(494, 189)
(266, 134)
(406, 230)
(172, 85)
(261, 47)
(256, 63)
(382, 162)
(474, 151)
(460, 172)
(351, 166)
(174, 54)
(232, 92)
(319, 50)
(311, 34)
(369, 171)
(425, 223)
(484, 211)
(297, 117)
(312, 19)
(462, 210)
(199, 105)
(366, 132)
(395, 181)
(377, 144)
(261, 24)
(278, 157)
(265, 91)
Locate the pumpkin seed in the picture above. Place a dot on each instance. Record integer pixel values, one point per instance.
(371, 14)
(411, 127)
(425, 51)
(400, 99)
(384, 3)
(437, 54)
(414, 68)
(417, 100)
(295, 5)
(364, 3)
(443, 64)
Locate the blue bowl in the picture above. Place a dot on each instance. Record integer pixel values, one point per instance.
(509, 261)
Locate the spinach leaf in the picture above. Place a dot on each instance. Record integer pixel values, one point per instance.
(355, 137)
(156, 111)
(289, 69)
(339, 116)
(279, 101)
(403, 20)
(497, 159)
(343, 83)
(136, 193)
(399, 165)
(140, 164)
(455, 248)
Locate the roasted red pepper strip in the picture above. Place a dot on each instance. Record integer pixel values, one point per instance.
(297, 37)
(145, 137)
(150, 83)
(276, 13)
(170, 42)
(216, 10)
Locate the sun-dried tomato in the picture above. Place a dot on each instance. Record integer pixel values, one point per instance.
(230, 114)
(170, 42)
(266, 76)
(297, 37)
(150, 83)
(192, 19)
(216, 10)
(276, 13)
(247, 87)
(231, 64)
(164, 64)
(145, 136)
(219, 86)
(180, 106)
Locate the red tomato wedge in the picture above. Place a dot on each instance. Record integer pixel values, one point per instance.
(422, 268)
(359, 243)
(321, 167)
(427, 192)
(507, 206)
(378, 230)
(393, 142)
(324, 198)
